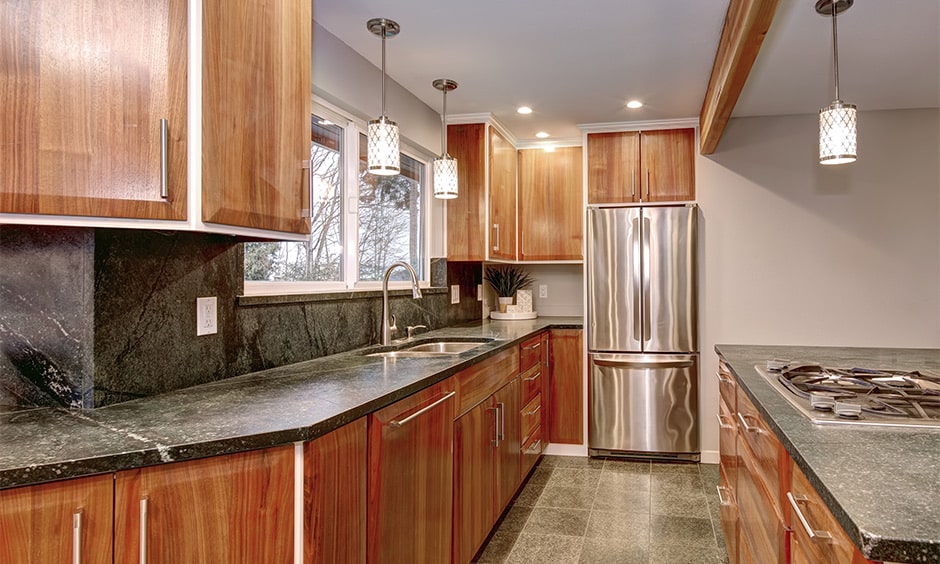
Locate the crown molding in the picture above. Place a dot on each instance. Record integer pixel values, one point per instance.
(638, 125)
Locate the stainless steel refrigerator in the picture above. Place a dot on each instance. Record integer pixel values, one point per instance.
(643, 332)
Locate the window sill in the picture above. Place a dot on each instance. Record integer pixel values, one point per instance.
(330, 296)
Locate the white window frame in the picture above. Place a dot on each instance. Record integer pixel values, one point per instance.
(352, 128)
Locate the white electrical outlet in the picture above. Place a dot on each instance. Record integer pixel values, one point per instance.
(543, 290)
(454, 294)
(479, 292)
(207, 316)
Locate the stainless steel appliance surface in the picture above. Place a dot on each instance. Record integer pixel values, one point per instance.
(642, 331)
(859, 396)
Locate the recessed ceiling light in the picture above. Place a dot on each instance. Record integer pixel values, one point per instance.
(524, 110)
(541, 135)
(634, 104)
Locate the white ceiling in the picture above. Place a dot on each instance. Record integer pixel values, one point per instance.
(578, 61)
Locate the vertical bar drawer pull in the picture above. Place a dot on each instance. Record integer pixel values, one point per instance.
(77, 537)
(164, 162)
(814, 535)
(724, 496)
(495, 411)
(502, 420)
(496, 229)
(397, 424)
(143, 530)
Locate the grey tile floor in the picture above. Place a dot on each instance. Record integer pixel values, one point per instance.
(576, 509)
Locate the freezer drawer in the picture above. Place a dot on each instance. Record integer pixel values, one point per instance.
(644, 405)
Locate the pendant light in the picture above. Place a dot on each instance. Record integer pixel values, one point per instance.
(837, 121)
(445, 166)
(383, 155)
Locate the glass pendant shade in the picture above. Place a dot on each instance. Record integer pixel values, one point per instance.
(383, 154)
(445, 177)
(837, 134)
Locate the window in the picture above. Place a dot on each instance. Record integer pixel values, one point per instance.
(360, 222)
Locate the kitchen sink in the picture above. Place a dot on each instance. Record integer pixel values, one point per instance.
(430, 349)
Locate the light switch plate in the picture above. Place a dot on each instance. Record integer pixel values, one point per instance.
(207, 316)
(479, 292)
(543, 290)
(454, 294)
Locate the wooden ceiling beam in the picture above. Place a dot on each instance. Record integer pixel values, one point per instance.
(746, 24)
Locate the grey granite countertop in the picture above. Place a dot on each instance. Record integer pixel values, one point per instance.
(282, 405)
(882, 484)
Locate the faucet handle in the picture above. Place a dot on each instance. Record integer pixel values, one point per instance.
(412, 328)
(393, 324)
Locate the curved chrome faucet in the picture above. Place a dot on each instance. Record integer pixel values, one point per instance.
(415, 293)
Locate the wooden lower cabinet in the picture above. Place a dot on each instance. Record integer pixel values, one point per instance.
(233, 508)
(760, 519)
(46, 523)
(509, 449)
(410, 488)
(335, 496)
(566, 395)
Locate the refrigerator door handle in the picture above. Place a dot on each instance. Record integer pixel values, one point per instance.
(647, 329)
(635, 282)
(600, 361)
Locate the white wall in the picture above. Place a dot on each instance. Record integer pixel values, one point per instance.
(794, 252)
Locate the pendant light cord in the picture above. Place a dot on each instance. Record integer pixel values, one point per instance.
(384, 33)
(444, 126)
(835, 47)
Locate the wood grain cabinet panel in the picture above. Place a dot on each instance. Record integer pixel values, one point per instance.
(613, 161)
(466, 214)
(566, 395)
(410, 488)
(668, 158)
(256, 94)
(475, 437)
(502, 192)
(235, 508)
(40, 524)
(509, 449)
(85, 85)
(335, 496)
(551, 205)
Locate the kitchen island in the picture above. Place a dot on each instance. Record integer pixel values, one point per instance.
(882, 484)
(280, 406)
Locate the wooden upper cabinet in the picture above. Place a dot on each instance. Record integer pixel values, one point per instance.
(40, 524)
(466, 214)
(232, 508)
(668, 158)
(550, 204)
(85, 86)
(502, 192)
(256, 108)
(613, 161)
(641, 166)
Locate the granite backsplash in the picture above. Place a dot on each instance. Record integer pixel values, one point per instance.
(92, 317)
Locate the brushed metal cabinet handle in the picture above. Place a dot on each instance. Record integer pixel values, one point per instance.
(721, 422)
(164, 158)
(502, 420)
(533, 377)
(814, 535)
(723, 379)
(397, 424)
(632, 183)
(533, 347)
(534, 411)
(143, 530)
(647, 184)
(495, 411)
(535, 448)
(496, 229)
(747, 426)
(722, 500)
(77, 537)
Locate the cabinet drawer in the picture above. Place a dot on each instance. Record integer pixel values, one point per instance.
(531, 450)
(727, 442)
(831, 544)
(728, 508)
(480, 381)
(531, 382)
(769, 455)
(727, 387)
(531, 416)
(530, 352)
(759, 516)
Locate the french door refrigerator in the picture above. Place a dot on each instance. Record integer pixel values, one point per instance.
(642, 332)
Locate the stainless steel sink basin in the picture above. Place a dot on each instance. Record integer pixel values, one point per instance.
(431, 349)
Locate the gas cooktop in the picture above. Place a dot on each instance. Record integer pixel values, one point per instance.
(858, 396)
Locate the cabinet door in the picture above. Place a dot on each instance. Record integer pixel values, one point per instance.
(550, 204)
(411, 478)
(466, 215)
(509, 449)
(566, 395)
(85, 85)
(335, 496)
(668, 165)
(256, 113)
(613, 161)
(474, 471)
(233, 508)
(502, 197)
(46, 523)
(546, 381)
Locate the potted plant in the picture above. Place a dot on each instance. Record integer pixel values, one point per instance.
(506, 280)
